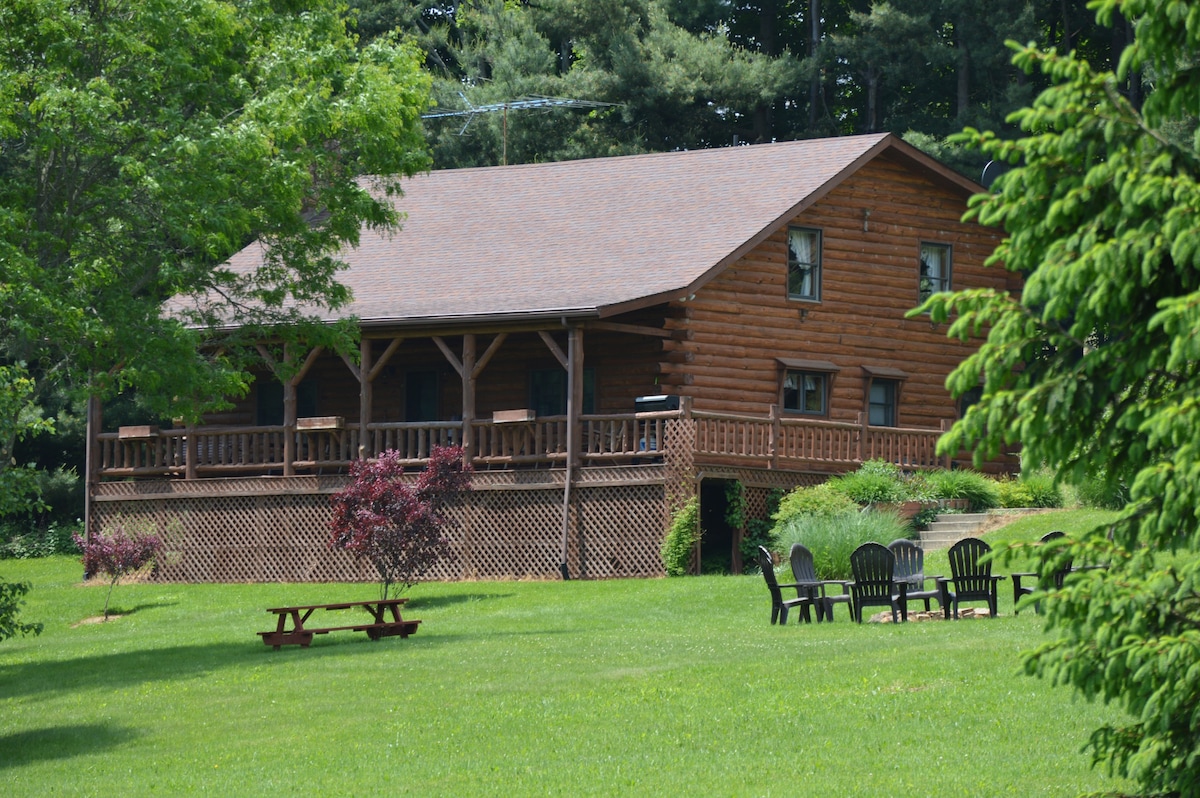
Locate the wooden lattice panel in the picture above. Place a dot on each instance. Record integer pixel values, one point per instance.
(509, 527)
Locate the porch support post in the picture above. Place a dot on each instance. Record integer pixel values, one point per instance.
(574, 406)
(468, 383)
(91, 461)
(773, 443)
(366, 396)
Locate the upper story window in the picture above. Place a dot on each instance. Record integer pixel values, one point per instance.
(935, 270)
(804, 263)
(806, 392)
(881, 405)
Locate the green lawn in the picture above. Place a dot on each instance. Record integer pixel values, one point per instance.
(527, 688)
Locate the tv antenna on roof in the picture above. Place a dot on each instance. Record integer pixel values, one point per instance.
(533, 101)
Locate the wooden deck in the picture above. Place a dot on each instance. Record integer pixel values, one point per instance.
(746, 441)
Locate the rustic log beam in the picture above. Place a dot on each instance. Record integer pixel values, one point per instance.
(384, 358)
(631, 329)
(493, 347)
(554, 348)
(455, 363)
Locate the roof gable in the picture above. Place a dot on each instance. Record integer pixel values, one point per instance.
(590, 237)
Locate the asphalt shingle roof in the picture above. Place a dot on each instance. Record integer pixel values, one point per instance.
(587, 237)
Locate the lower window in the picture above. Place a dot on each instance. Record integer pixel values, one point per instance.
(805, 392)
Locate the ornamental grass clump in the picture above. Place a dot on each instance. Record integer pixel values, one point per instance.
(397, 526)
(832, 538)
(117, 555)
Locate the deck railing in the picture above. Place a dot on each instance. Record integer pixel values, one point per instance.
(756, 441)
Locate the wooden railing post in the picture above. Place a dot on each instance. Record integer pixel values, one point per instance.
(191, 452)
(773, 438)
(863, 431)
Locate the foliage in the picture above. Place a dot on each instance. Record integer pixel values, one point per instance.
(832, 538)
(19, 541)
(758, 532)
(1029, 490)
(117, 554)
(11, 599)
(396, 526)
(19, 419)
(679, 544)
(979, 490)
(874, 481)
(1094, 369)
(144, 143)
(813, 500)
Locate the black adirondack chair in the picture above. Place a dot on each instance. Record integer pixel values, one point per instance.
(780, 605)
(805, 575)
(910, 569)
(874, 570)
(1056, 578)
(970, 579)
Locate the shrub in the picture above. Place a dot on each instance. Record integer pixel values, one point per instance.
(681, 539)
(1033, 490)
(980, 491)
(816, 500)
(396, 526)
(11, 594)
(117, 554)
(19, 542)
(832, 538)
(876, 481)
(1100, 492)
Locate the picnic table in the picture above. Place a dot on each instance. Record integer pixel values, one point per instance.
(378, 625)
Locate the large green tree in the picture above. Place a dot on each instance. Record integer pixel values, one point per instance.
(143, 142)
(1095, 369)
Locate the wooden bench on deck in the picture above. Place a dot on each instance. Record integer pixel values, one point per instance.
(376, 627)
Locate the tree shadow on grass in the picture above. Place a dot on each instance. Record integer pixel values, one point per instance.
(61, 742)
(116, 609)
(436, 602)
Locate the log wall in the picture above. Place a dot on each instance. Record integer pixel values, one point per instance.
(872, 227)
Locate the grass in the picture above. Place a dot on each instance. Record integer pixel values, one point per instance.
(646, 687)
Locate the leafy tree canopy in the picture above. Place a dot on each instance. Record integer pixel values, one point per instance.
(143, 142)
(1095, 368)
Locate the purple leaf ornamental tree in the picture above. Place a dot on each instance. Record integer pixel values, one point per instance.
(398, 526)
(116, 555)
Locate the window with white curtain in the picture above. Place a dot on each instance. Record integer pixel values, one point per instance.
(935, 270)
(805, 392)
(804, 263)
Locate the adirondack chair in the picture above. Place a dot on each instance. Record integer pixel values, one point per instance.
(780, 605)
(874, 568)
(970, 579)
(1020, 590)
(910, 569)
(806, 576)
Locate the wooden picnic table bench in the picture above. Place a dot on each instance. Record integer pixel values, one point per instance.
(378, 626)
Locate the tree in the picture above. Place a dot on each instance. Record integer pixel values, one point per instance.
(117, 555)
(143, 142)
(398, 527)
(1095, 368)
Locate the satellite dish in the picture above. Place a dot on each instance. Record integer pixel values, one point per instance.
(993, 170)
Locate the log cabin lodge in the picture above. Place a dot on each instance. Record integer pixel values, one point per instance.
(605, 338)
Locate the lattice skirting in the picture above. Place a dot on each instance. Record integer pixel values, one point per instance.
(510, 527)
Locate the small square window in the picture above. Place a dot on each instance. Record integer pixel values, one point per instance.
(881, 409)
(805, 392)
(804, 264)
(935, 270)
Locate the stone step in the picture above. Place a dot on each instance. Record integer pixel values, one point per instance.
(948, 529)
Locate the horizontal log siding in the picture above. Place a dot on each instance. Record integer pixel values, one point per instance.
(742, 321)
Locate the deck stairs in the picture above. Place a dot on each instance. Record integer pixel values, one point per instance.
(949, 528)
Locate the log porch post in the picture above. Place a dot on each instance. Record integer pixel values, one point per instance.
(574, 432)
(366, 397)
(468, 383)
